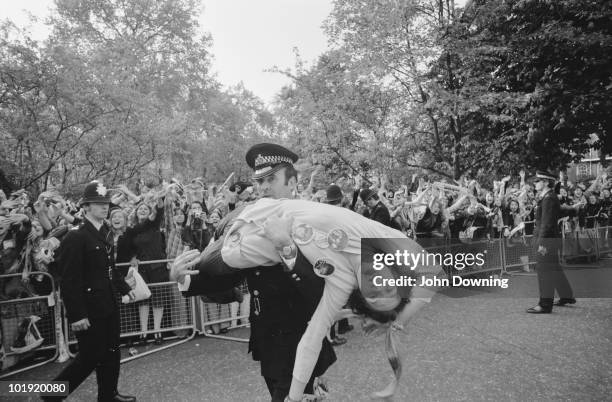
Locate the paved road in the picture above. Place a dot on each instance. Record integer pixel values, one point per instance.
(466, 345)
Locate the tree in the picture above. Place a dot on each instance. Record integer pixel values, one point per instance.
(558, 55)
(119, 90)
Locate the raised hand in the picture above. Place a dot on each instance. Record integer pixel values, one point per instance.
(182, 265)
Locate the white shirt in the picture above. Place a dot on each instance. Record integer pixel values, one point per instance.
(245, 246)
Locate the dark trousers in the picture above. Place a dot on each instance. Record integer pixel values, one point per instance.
(98, 350)
(551, 277)
(279, 388)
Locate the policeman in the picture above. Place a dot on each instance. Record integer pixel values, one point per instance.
(89, 291)
(284, 297)
(547, 240)
(376, 209)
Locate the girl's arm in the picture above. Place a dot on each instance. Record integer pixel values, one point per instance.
(457, 204)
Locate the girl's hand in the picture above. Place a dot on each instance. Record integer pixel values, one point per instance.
(374, 328)
(182, 265)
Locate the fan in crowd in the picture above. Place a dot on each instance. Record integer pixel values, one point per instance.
(161, 219)
(164, 218)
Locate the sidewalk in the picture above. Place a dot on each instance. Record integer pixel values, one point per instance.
(465, 345)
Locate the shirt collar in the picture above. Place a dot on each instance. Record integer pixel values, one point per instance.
(98, 226)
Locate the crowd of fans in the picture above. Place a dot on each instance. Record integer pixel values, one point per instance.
(159, 222)
(162, 221)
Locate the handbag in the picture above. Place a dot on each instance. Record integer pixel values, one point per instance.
(141, 289)
(28, 336)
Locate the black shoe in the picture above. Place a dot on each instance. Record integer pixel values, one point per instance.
(564, 300)
(158, 339)
(337, 341)
(142, 341)
(124, 398)
(539, 310)
(345, 329)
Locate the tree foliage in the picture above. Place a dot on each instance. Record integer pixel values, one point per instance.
(422, 84)
(120, 90)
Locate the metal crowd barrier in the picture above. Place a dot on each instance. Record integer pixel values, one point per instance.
(216, 319)
(14, 311)
(579, 242)
(491, 250)
(187, 317)
(519, 255)
(178, 315)
(604, 241)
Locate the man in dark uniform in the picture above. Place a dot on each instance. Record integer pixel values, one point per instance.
(89, 289)
(376, 209)
(547, 239)
(283, 298)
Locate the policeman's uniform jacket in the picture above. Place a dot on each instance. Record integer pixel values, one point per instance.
(547, 230)
(89, 281)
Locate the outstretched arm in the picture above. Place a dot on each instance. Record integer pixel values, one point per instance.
(308, 349)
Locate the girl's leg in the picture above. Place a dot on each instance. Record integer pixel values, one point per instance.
(143, 312)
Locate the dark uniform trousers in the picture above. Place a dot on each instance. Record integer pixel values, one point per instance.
(547, 234)
(281, 305)
(89, 288)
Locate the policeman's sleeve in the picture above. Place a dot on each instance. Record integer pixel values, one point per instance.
(72, 286)
(550, 215)
(204, 284)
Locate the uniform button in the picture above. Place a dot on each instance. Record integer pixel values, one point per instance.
(257, 273)
(294, 276)
(256, 292)
(256, 312)
(89, 289)
(297, 279)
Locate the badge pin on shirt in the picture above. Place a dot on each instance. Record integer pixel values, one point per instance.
(234, 239)
(323, 268)
(337, 239)
(321, 240)
(302, 233)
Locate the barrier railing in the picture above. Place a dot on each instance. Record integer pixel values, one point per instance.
(215, 319)
(186, 317)
(491, 251)
(519, 255)
(17, 316)
(172, 312)
(579, 242)
(604, 241)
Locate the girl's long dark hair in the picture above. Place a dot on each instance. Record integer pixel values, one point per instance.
(359, 305)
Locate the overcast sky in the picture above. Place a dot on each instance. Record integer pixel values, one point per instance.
(248, 36)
